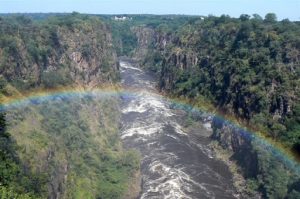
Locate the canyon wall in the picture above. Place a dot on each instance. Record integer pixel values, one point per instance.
(64, 50)
(66, 145)
(245, 70)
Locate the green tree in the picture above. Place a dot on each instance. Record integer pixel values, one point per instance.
(270, 18)
(257, 17)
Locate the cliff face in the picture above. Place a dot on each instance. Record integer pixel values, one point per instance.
(179, 59)
(248, 69)
(67, 146)
(90, 54)
(240, 143)
(145, 39)
(77, 51)
(264, 168)
(245, 75)
(215, 61)
(158, 48)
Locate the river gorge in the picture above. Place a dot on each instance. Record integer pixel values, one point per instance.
(176, 161)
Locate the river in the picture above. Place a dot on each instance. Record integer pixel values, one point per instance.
(177, 161)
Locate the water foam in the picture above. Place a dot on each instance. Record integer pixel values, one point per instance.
(126, 65)
(172, 182)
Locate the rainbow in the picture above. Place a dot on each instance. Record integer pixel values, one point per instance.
(68, 93)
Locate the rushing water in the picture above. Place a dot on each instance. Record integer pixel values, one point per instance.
(175, 163)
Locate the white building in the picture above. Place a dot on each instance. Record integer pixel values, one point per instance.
(123, 18)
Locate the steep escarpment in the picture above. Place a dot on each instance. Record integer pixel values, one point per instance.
(152, 42)
(142, 36)
(249, 69)
(58, 138)
(67, 146)
(145, 38)
(59, 51)
(263, 167)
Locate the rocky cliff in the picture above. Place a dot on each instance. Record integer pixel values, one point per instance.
(157, 48)
(231, 74)
(145, 39)
(74, 49)
(65, 146)
(248, 69)
(264, 168)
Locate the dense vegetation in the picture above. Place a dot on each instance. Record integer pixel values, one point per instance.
(249, 68)
(73, 149)
(14, 181)
(55, 51)
(66, 147)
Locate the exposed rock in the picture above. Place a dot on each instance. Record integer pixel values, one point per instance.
(83, 54)
(239, 142)
(93, 63)
(152, 41)
(256, 160)
(145, 38)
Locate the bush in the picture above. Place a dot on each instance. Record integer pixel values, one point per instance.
(52, 79)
